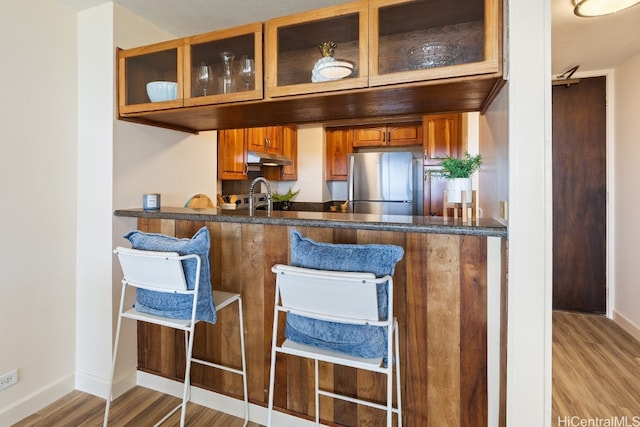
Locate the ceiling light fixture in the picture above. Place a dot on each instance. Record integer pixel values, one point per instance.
(588, 8)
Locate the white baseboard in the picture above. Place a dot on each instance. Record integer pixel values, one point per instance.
(220, 402)
(35, 401)
(100, 387)
(626, 324)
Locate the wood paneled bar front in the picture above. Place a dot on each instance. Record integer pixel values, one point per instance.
(440, 298)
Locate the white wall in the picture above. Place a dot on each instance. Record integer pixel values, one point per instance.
(38, 189)
(95, 165)
(494, 147)
(627, 205)
(142, 159)
(310, 166)
(530, 213)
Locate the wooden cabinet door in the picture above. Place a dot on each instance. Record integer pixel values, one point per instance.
(434, 186)
(441, 137)
(391, 135)
(403, 134)
(339, 143)
(291, 46)
(266, 139)
(275, 135)
(232, 154)
(290, 150)
(366, 136)
(256, 139)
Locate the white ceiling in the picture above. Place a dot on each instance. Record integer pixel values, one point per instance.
(592, 43)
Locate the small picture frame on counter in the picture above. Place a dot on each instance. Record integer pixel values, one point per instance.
(151, 201)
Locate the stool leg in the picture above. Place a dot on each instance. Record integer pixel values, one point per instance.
(316, 386)
(115, 355)
(398, 387)
(187, 376)
(244, 364)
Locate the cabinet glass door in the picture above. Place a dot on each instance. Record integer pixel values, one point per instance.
(224, 66)
(317, 51)
(150, 77)
(433, 39)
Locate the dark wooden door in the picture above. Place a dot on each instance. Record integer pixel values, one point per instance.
(579, 196)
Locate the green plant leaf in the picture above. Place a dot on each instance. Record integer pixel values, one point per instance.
(286, 197)
(464, 167)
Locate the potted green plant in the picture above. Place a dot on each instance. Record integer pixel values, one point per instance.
(458, 172)
(283, 200)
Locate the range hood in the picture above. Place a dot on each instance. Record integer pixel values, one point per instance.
(267, 159)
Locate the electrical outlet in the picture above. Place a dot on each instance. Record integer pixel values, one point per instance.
(8, 379)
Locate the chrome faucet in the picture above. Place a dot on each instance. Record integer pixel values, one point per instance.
(251, 202)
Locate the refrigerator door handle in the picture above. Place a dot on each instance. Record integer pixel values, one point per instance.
(350, 178)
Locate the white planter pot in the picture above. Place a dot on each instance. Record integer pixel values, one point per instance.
(455, 187)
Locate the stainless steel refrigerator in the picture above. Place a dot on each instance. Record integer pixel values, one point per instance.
(386, 183)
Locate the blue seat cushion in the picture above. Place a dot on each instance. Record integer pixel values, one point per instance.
(362, 341)
(173, 305)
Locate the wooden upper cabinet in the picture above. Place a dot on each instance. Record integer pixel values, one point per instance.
(207, 50)
(339, 143)
(391, 135)
(161, 62)
(292, 46)
(413, 41)
(442, 137)
(390, 58)
(290, 151)
(232, 154)
(179, 61)
(268, 139)
(233, 145)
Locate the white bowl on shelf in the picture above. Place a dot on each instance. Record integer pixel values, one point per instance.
(162, 91)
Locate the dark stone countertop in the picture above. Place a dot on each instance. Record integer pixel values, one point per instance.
(401, 223)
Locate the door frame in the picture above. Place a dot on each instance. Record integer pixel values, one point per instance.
(610, 184)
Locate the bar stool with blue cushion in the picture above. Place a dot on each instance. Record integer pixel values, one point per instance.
(338, 302)
(173, 288)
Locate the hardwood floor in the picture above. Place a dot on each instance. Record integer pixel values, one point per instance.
(596, 374)
(138, 407)
(596, 371)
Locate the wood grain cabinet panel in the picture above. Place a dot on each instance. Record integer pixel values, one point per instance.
(441, 137)
(232, 154)
(290, 151)
(388, 135)
(440, 301)
(339, 143)
(267, 139)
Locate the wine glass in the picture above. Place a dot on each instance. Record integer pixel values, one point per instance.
(247, 70)
(204, 76)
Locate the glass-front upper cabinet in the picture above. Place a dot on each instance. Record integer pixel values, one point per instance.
(224, 66)
(318, 51)
(433, 39)
(150, 77)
